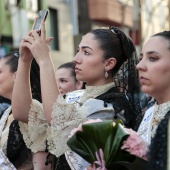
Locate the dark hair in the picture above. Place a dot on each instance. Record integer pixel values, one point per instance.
(71, 66)
(12, 61)
(164, 34)
(115, 43)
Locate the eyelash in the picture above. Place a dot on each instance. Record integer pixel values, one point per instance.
(63, 81)
(86, 53)
(151, 58)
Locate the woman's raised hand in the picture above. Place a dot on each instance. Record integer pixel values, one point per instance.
(25, 53)
(36, 45)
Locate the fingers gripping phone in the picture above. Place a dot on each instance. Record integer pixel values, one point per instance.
(42, 15)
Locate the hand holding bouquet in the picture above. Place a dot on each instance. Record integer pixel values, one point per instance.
(106, 146)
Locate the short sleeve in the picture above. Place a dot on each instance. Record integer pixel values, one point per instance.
(35, 132)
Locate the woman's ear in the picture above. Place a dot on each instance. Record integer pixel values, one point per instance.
(14, 75)
(110, 63)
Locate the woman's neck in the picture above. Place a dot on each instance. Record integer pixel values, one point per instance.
(162, 97)
(162, 100)
(99, 83)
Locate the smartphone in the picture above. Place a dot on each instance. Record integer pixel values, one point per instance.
(42, 15)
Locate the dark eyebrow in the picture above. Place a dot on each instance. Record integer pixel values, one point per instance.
(149, 52)
(62, 78)
(86, 47)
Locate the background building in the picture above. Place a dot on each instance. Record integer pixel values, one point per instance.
(155, 17)
(70, 19)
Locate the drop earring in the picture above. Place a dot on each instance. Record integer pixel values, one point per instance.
(106, 73)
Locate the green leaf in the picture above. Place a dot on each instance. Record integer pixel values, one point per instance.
(83, 146)
(137, 164)
(98, 132)
(103, 135)
(114, 143)
(91, 139)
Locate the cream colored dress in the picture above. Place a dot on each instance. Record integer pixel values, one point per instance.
(67, 114)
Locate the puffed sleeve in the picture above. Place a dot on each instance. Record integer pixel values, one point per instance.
(65, 117)
(35, 132)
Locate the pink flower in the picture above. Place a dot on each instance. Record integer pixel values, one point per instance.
(100, 161)
(79, 128)
(135, 144)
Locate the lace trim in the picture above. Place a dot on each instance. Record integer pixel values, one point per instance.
(159, 114)
(35, 132)
(94, 91)
(17, 152)
(158, 150)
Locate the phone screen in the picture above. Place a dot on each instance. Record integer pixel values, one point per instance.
(42, 15)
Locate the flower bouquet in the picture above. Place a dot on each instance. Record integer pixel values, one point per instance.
(106, 146)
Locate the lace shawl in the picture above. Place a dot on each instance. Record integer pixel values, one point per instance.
(122, 106)
(17, 152)
(65, 117)
(158, 154)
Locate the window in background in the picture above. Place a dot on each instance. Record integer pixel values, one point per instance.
(54, 28)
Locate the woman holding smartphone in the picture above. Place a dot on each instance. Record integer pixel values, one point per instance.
(100, 55)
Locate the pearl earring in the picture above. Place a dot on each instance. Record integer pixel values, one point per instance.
(106, 73)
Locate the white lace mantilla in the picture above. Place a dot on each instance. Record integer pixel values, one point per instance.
(65, 117)
(152, 118)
